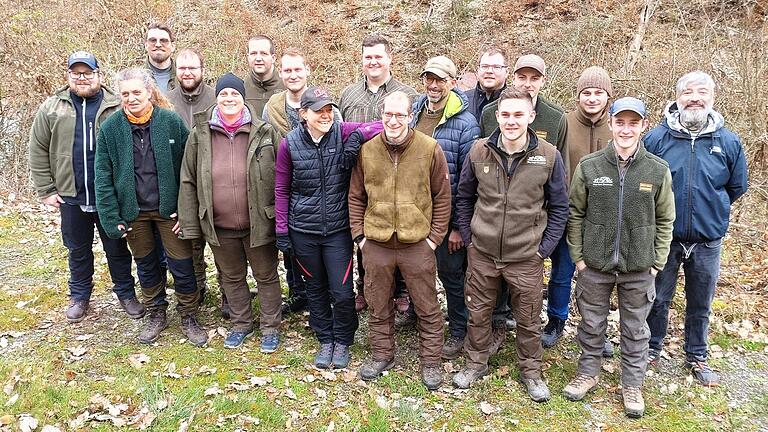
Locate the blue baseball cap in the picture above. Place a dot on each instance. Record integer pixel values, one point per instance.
(628, 104)
(83, 57)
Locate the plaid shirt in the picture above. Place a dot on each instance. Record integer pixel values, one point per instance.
(358, 104)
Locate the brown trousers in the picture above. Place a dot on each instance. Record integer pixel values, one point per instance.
(417, 265)
(480, 290)
(232, 257)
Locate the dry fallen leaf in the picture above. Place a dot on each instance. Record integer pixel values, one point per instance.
(77, 351)
(290, 394)
(12, 400)
(138, 360)
(487, 408)
(330, 376)
(260, 381)
(49, 428)
(84, 337)
(212, 391)
(382, 402)
(27, 423)
(6, 420)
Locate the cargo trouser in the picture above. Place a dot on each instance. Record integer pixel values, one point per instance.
(417, 265)
(141, 241)
(636, 293)
(232, 257)
(482, 286)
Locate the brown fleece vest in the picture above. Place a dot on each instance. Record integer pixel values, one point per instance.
(399, 193)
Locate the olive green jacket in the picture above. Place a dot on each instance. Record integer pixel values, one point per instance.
(196, 190)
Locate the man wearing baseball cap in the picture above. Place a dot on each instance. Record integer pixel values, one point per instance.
(442, 113)
(582, 131)
(529, 74)
(62, 148)
(619, 233)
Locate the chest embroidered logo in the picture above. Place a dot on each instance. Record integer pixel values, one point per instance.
(602, 181)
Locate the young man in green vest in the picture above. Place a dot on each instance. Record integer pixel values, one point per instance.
(399, 210)
(619, 231)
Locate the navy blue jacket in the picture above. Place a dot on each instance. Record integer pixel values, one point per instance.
(455, 133)
(84, 148)
(709, 173)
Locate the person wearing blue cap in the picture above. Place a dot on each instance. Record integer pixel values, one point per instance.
(62, 147)
(619, 231)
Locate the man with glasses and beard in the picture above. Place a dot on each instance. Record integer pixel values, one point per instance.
(709, 173)
(160, 45)
(62, 147)
(191, 96)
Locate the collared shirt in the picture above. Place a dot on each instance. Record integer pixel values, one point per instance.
(359, 104)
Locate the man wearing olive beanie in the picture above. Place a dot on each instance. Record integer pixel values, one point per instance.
(581, 132)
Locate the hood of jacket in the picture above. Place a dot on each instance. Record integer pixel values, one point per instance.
(457, 102)
(715, 120)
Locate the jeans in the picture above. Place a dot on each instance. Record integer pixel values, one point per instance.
(77, 235)
(325, 265)
(559, 289)
(451, 268)
(701, 265)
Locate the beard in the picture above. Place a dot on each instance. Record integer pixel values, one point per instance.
(694, 119)
(85, 92)
(191, 88)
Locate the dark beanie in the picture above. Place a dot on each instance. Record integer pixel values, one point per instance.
(230, 80)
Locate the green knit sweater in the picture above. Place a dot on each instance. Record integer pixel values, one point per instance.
(115, 177)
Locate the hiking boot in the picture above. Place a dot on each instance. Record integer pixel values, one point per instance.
(269, 343)
(654, 356)
(580, 386)
(452, 347)
(498, 337)
(294, 304)
(372, 369)
(467, 376)
(703, 373)
(235, 338)
(432, 376)
(133, 308)
(324, 356)
(405, 319)
(537, 389)
(402, 303)
(510, 323)
(634, 405)
(77, 310)
(195, 334)
(340, 356)
(360, 303)
(607, 348)
(154, 324)
(553, 331)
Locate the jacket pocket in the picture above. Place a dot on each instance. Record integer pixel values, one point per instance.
(64, 183)
(379, 221)
(270, 211)
(412, 225)
(642, 250)
(593, 244)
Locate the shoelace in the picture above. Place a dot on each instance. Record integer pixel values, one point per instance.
(632, 394)
(701, 367)
(326, 349)
(581, 379)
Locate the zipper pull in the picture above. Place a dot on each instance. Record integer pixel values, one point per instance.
(692, 141)
(90, 132)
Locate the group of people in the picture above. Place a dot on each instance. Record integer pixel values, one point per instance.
(478, 187)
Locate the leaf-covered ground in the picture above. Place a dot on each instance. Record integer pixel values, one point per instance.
(95, 375)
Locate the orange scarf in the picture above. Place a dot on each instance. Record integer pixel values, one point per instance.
(141, 119)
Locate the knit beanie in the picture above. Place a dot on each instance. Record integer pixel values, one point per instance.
(230, 80)
(594, 77)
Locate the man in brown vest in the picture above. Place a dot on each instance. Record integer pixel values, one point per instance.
(399, 210)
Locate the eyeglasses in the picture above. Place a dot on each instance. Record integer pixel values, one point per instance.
(429, 80)
(387, 116)
(184, 69)
(487, 67)
(79, 75)
(163, 41)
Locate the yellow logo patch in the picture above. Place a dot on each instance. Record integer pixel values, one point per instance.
(646, 187)
(541, 134)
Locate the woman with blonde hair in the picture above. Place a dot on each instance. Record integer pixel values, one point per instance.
(138, 159)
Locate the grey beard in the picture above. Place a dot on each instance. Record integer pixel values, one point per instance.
(694, 119)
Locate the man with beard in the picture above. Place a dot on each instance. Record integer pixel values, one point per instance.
(709, 173)
(363, 102)
(62, 147)
(191, 96)
(406, 172)
(160, 45)
(263, 81)
(442, 114)
(492, 73)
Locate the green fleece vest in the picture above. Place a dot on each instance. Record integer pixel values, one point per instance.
(399, 194)
(278, 118)
(619, 228)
